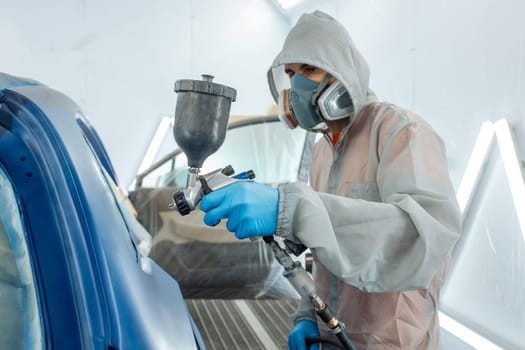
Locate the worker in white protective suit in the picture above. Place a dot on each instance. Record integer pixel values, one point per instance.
(380, 216)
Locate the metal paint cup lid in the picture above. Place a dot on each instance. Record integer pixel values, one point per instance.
(205, 86)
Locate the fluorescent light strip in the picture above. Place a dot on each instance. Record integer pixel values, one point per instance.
(466, 189)
(474, 165)
(512, 169)
(465, 334)
(155, 143)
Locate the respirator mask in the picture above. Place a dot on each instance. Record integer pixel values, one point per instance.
(309, 104)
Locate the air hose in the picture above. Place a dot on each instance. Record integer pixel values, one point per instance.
(324, 340)
(303, 283)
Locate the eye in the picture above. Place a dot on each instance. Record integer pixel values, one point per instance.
(310, 69)
(289, 72)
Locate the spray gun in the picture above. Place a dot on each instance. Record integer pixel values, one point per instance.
(201, 118)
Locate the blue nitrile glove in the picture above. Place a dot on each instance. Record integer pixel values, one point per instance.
(302, 330)
(251, 208)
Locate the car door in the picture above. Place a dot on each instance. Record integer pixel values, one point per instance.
(88, 283)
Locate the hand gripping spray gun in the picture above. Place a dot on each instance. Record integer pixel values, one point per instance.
(201, 118)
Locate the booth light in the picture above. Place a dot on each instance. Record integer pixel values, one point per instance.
(468, 184)
(162, 129)
(474, 165)
(512, 169)
(511, 164)
(468, 336)
(286, 4)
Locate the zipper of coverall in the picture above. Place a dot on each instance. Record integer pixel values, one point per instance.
(334, 181)
(333, 187)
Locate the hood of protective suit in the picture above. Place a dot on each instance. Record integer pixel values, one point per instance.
(319, 40)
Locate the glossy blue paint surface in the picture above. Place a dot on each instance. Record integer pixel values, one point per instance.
(94, 288)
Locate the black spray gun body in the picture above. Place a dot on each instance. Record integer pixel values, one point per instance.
(201, 119)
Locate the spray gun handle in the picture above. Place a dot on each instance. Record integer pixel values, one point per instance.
(217, 180)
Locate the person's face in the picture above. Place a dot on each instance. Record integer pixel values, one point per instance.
(317, 75)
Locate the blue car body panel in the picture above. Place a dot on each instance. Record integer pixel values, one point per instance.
(95, 289)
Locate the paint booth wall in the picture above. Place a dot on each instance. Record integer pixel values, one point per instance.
(119, 59)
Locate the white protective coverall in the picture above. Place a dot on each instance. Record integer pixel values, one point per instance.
(382, 217)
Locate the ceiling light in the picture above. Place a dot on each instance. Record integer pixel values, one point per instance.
(286, 4)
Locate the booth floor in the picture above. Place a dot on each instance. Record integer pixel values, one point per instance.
(258, 324)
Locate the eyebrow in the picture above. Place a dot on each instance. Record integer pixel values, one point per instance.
(303, 66)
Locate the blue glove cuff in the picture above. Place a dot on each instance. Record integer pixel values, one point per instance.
(302, 330)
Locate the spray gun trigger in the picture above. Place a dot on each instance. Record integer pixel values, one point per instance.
(204, 185)
(295, 248)
(228, 170)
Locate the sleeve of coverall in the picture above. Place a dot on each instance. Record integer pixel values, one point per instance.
(394, 245)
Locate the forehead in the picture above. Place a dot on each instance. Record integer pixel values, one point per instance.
(293, 66)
